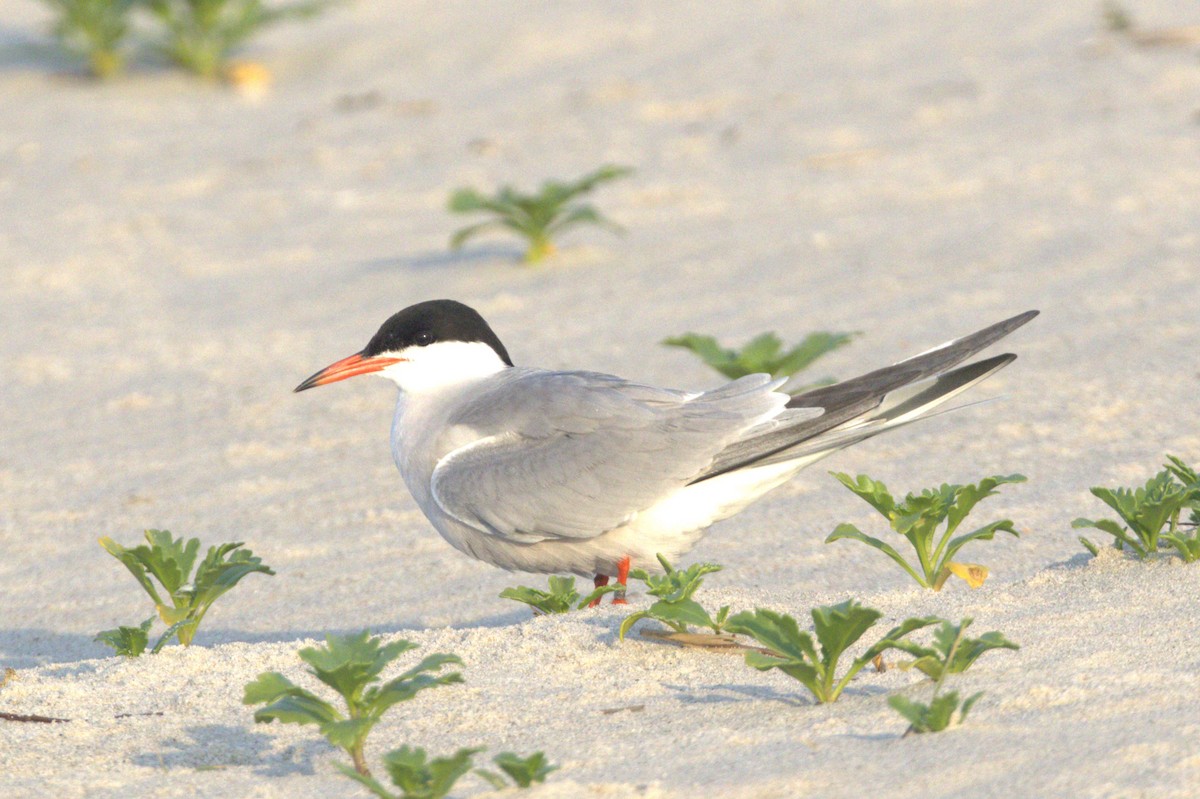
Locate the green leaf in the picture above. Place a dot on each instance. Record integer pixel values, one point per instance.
(348, 662)
(420, 778)
(560, 598)
(814, 346)
(795, 653)
(851, 532)
(299, 708)
(1089, 546)
(873, 492)
(491, 778)
(935, 661)
(985, 533)
(839, 626)
(127, 641)
(524, 771)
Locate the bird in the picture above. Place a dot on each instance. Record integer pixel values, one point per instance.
(579, 472)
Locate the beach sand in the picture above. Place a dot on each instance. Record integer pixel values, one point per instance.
(175, 258)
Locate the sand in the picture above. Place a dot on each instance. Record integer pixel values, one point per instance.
(175, 258)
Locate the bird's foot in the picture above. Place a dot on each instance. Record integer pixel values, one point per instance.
(622, 579)
(600, 581)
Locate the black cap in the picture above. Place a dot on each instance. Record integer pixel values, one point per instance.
(432, 321)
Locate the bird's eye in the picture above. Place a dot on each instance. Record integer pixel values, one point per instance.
(424, 338)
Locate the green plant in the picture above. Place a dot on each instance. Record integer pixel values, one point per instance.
(561, 597)
(537, 218)
(129, 641)
(523, 771)
(201, 34)
(95, 30)
(350, 665)
(837, 628)
(917, 519)
(938, 714)
(419, 777)
(1147, 510)
(675, 606)
(936, 661)
(170, 562)
(1116, 17)
(935, 716)
(763, 354)
(415, 775)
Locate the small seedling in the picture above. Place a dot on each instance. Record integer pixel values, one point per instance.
(537, 218)
(95, 30)
(523, 771)
(763, 354)
(837, 628)
(1147, 510)
(419, 777)
(934, 717)
(1116, 17)
(935, 661)
(939, 713)
(130, 641)
(917, 519)
(201, 34)
(415, 775)
(170, 562)
(350, 665)
(675, 606)
(561, 598)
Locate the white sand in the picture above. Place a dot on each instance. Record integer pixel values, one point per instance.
(174, 259)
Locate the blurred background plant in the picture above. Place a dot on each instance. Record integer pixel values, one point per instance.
(200, 35)
(95, 30)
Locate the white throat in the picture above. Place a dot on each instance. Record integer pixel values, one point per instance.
(442, 364)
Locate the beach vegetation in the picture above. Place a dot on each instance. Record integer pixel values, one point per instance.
(351, 665)
(561, 596)
(200, 35)
(185, 598)
(939, 712)
(1146, 511)
(917, 519)
(538, 218)
(95, 30)
(420, 777)
(674, 605)
(951, 652)
(764, 354)
(837, 628)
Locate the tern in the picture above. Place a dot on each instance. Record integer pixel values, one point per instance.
(550, 471)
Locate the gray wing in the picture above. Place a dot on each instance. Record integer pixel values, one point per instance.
(575, 454)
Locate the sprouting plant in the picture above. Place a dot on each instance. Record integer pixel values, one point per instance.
(763, 354)
(523, 771)
(170, 562)
(837, 627)
(201, 34)
(1147, 510)
(350, 665)
(560, 598)
(935, 716)
(537, 218)
(130, 641)
(917, 519)
(936, 661)
(95, 30)
(419, 777)
(675, 606)
(939, 713)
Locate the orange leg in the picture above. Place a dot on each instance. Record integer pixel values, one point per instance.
(622, 579)
(600, 581)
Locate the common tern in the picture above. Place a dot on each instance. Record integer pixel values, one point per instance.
(550, 471)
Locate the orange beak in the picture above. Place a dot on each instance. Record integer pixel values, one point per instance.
(353, 366)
